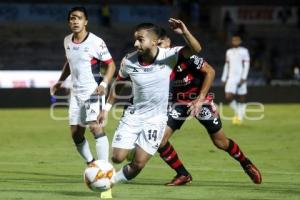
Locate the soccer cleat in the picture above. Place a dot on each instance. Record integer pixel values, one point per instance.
(180, 180)
(236, 120)
(106, 194)
(252, 171)
(91, 163)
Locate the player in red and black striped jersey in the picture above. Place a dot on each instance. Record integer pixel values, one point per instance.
(190, 82)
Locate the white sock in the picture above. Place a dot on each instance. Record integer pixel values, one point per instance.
(84, 150)
(102, 148)
(241, 110)
(119, 177)
(234, 106)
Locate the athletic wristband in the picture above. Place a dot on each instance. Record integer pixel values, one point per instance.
(104, 84)
(107, 107)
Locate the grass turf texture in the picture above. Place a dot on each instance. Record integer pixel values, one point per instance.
(38, 160)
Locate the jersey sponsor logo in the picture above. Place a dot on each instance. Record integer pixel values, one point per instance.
(148, 69)
(86, 49)
(104, 52)
(180, 83)
(92, 111)
(76, 48)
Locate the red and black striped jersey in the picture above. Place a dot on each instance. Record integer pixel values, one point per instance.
(186, 79)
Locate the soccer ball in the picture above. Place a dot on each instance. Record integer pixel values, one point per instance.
(97, 176)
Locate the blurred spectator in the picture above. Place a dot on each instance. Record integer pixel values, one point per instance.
(296, 70)
(284, 14)
(105, 13)
(227, 24)
(241, 30)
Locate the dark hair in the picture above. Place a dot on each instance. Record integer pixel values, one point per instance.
(163, 33)
(236, 34)
(149, 27)
(78, 8)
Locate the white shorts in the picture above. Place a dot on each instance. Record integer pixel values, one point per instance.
(82, 112)
(232, 87)
(132, 131)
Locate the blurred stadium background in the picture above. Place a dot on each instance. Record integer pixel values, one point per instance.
(32, 34)
(32, 54)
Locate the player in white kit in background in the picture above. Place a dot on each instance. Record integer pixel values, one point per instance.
(143, 123)
(234, 77)
(84, 52)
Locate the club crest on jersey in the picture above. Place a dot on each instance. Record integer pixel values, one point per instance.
(68, 48)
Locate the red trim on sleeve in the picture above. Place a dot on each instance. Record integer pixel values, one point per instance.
(94, 61)
(108, 61)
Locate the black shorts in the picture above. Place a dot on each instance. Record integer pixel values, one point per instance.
(208, 117)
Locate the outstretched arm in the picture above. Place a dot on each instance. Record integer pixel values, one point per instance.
(193, 45)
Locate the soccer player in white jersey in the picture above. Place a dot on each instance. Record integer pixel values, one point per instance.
(84, 52)
(143, 123)
(234, 77)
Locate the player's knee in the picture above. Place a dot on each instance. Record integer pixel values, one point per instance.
(117, 159)
(229, 97)
(95, 128)
(163, 143)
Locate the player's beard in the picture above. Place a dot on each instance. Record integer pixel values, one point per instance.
(143, 52)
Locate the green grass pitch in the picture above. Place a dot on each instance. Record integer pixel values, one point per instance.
(38, 160)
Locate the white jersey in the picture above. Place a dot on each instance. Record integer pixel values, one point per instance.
(84, 61)
(150, 84)
(237, 64)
